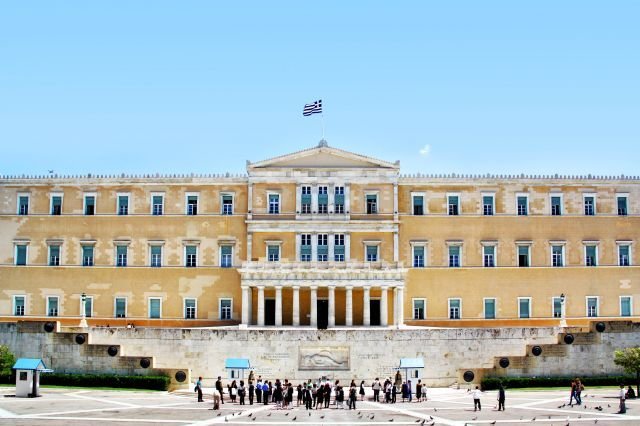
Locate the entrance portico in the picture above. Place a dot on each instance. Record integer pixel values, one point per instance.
(337, 284)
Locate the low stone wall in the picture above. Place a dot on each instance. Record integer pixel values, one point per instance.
(299, 354)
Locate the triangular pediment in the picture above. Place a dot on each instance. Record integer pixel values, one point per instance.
(322, 156)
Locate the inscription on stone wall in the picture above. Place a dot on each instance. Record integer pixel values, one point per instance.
(323, 358)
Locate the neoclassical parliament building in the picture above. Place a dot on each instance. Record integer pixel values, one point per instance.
(319, 238)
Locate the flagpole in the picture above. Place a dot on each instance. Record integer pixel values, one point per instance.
(322, 120)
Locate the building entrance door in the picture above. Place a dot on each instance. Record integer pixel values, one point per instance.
(374, 310)
(323, 314)
(270, 312)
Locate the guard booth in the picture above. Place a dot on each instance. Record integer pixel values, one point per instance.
(28, 372)
(412, 369)
(236, 367)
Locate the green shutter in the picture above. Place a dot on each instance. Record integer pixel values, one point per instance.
(157, 250)
(273, 250)
(54, 251)
(454, 250)
(305, 249)
(339, 199)
(87, 251)
(372, 251)
(454, 303)
(323, 198)
(418, 200)
(225, 250)
(121, 307)
(154, 308)
(90, 201)
(625, 306)
(157, 199)
(418, 251)
(523, 250)
(487, 200)
(524, 308)
(453, 200)
(555, 201)
(191, 250)
(372, 197)
(323, 249)
(489, 250)
(21, 255)
(591, 252)
(490, 308)
(123, 201)
(338, 249)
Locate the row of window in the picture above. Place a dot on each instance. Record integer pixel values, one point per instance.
(321, 206)
(154, 307)
(123, 203)
(592, 305)
(522, 204)
(121, 254)
(556, 252)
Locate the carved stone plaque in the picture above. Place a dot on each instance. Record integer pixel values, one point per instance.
(323, 358)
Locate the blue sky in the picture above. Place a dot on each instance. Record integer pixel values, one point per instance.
(500, 87)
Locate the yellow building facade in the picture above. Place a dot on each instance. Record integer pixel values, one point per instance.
(319, 238)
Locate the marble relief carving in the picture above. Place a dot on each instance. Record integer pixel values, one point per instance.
(323, 358)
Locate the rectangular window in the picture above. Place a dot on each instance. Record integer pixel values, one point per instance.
(305, 199)
(592, 306)
(305, 247)
(19, 305)
(273, 253)
(21, 254)
(323, 200)
(23, 205)
(156, 256)
(453, 203)
(418, 205)
(274, 203)
(121, 307)
(192, 205)
(52, 306)
(323, 247)
(338, 248)
(372, 203)
(226, 256)
(557, 256)
(157, 205)
(89, 205)
(454, 256)
(589, 205)
(557, 307)
(418, 256)
(524, 307)
(489, 256)
(523, 205)
(622, 205)
(121, 255)
(155, 307)
(227, 204)
(523, 256)
(372, 253)
(624, 252)
(123, 205)
(489, 308)
(88, 306)
(56, 205)
(455, 308)
(419, 309)
(487, 205)
(87, 255)
(591, 255)
(625, 306)
(189, 308)
(54, 255)
(556, 205)
(191, 256)
(338, 199)
(225, 309)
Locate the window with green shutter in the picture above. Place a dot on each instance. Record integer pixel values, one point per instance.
(87, 255)
(121, 255)
(226, 256)
(487, 205)
(454, 256)
(191, 253)
(489, 308)
(418, 257)
(623, 255)
(418, 205)
(157, 202)
(56, 205)
(23, 205)
(525, 306)
(273, 253)
(192, 205)
(121, 307)
(274, 203)
(622, 206)
(156, 256)
(89, 205)
(453, 208)
(123, 205)
(155, 308)
(372, 203)
(54, 255)
(590, 256)
(625, 306)
(556, 206)
(489, 254)
(21, 255)
(523, 256)
(523, 206)
(372, 253)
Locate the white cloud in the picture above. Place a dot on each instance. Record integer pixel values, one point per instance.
(425, 150)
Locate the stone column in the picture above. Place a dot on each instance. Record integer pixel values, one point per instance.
(250, 306)
(296, 306)
(332, 306)
(395, 202)
(395, 305)
(349, 307)
(396, 248)
(249, 246)
(366, 313)
(347, 247)
(331, 240)
(245, 305)
(261, 305)
(314, 247)
(313, 321)
(298, 199)
(347, 199)
(314, 198)
(400, 301)
(384, 308)
(330, 195)
(249, 204)
(279, 306)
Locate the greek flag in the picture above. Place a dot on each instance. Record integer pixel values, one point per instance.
(314, 108)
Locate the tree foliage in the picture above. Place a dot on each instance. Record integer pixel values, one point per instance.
(7, 360)
(629, 359)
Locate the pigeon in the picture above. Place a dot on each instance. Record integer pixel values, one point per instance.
(254, 419)
(372, 416)
(358, 412)
(609, 405)
(309, 414)
(390, 420)
(423, 420)
(475, 418)
(294, 419)
(493, 422)
(219, 414)
(286, 414)
(322, 417)
(360, 416)
(533, 419)
(595, 421)
(268, 415)
(430, 418)
(435, 409)
(225, 419)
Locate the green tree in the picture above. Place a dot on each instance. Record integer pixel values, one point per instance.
(629, 359)
(7, 360)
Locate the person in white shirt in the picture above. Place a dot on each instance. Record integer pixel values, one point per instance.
(476, 399)
(622, 395)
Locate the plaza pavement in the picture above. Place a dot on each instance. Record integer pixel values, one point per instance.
(71, 407)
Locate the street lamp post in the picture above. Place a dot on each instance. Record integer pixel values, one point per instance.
(83, 309)
(563, 320)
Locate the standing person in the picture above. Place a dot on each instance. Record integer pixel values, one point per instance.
(299, 395)
(572, 395)
(476, 399)
(265, 392)
(241, 392)
(501, 397)
(259, 391)
(631, 394)
(220, 389)
(290, 396)
(308, 398)
(233, 391)
(362, 390)
(352, 397)
(327, 394)
(339, 398)
(622, 395)
(251, 391)
(419, 391)
(217, 397)
(579, 389)
(405, 393)
(320, 397)
(409, 390)
(376, 390)
(394, 392)
(199, 389)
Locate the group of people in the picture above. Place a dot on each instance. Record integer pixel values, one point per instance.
(311, 395)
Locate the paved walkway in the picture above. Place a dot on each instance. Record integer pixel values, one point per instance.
(73, 407)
